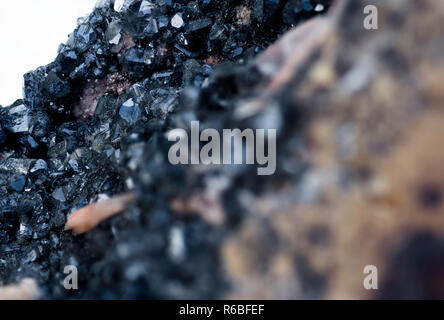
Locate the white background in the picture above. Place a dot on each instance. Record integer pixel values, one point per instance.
(30, 33)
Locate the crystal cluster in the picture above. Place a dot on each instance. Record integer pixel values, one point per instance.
(92, 125)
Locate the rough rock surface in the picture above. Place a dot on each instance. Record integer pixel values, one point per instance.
(359, 172)
(92, 125)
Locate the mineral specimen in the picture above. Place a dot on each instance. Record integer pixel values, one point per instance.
(93, 125)
(357, 168)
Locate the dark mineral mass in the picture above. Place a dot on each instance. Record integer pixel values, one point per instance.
(352, 90)
(92, 125)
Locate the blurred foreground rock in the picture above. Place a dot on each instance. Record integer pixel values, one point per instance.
(27, 289)
(373, 193)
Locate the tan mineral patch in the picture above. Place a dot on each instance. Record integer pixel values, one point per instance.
(27, 289)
